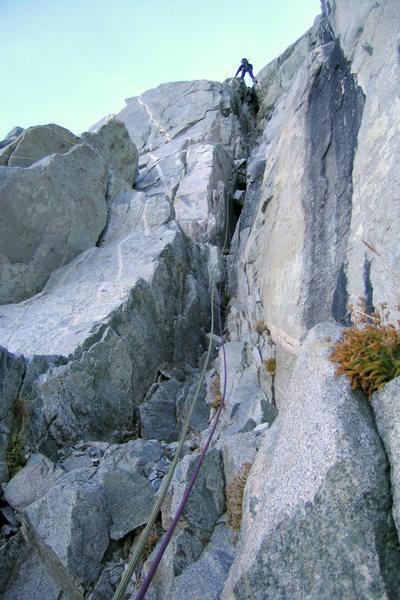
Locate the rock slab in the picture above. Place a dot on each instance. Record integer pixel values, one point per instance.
(317, 522)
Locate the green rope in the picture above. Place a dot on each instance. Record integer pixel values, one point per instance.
(127, 575)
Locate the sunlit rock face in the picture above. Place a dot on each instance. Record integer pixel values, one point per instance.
(54, 189)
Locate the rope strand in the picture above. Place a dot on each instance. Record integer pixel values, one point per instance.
(168, 535)
(127, 575)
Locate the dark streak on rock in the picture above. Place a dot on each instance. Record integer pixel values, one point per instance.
(335, 107)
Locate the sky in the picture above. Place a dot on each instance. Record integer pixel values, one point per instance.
(71, 62)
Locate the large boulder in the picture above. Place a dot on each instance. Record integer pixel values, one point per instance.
(158, 416)
(32, 482)
(317, 507)
(35, 143)
(206, 501)
(129, 495)
(209, 571)
(29, 578)
(56, 209)
(69, 529)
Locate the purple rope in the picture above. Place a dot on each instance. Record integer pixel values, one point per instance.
(167, 537)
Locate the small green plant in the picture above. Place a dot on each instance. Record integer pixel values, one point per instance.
(369, 351)
(234, 496)
(270, 366)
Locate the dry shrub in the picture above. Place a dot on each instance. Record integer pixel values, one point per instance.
(217, 397)
(270, 366)
(369, 351)
(234, 496)
(15, 454)
(154, 537)
(260, 327)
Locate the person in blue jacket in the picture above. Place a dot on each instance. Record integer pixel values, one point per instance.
(246, 67)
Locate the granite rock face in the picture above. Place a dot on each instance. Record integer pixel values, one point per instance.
(98, 369)
(368, 35)
(114, 320)
(188, 135)
(386, 409)
(198, 111)
(304, 202)
(318, 495)
(321, 176)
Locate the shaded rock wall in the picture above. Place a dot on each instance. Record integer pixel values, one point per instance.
(368, 35)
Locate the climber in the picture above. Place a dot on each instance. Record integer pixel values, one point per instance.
(246, 67)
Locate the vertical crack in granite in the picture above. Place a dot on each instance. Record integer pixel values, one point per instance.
(368, 288)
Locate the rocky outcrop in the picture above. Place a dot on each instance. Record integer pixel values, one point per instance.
(120, 318)
(188, 135)
(12, 136)
(63, 199)
(190, 112)
(35, 143)
(298, 494)
(114, 145)
(114, 319)
(318, 494)
(59, 185)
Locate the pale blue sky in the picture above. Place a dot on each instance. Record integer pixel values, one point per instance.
(73, 61)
